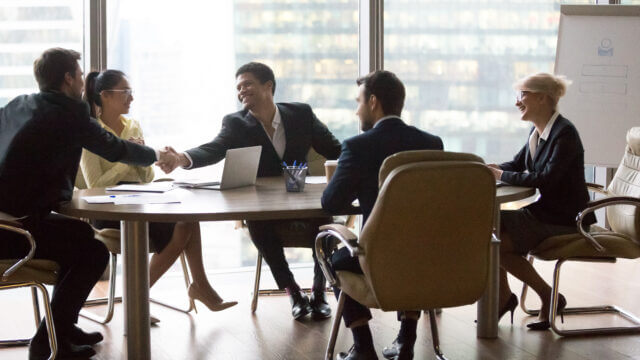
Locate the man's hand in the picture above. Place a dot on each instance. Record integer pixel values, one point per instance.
(139, 141)
(171, 159)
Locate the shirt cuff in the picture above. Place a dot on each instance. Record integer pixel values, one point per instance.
(157, 154)
(186, 154)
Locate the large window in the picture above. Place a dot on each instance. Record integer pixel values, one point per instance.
(181, 60)
(459, 60)
(27, 28)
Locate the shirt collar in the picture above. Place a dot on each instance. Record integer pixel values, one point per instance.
(385, 118)
(547, 129)
(277, 119)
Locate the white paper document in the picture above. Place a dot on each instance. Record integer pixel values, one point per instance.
(133, 199)
(315, 180)
(154, 187)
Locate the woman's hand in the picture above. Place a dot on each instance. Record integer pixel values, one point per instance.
(495, 169)
(139, 141)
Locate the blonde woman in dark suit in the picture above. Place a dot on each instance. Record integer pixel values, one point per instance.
(552, 160)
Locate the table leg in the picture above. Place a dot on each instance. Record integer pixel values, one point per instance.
(487, 311)
(135, 265)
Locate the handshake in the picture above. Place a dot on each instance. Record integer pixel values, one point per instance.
(169, 159)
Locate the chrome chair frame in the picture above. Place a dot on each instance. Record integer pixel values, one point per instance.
(13, 226)
(111, 299)
(598, 309)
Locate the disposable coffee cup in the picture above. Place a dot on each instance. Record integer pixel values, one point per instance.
(329, 168)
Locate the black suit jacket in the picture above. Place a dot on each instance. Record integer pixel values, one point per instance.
(41, 140)
(302, 129)
(357, 173)
(557, 170)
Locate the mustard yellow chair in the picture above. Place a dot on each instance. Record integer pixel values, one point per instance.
(426, 243)
(622, 203)
(27, 272)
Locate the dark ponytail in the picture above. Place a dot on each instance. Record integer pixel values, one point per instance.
(90, 92)
(96, 82)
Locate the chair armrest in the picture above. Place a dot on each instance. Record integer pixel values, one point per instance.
(323, 252)
(598, 204)
(346, 237)
(597, 188)
(12, 224)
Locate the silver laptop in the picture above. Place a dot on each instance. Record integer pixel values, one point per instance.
(240, 169)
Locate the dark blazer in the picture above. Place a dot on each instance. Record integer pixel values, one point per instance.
(302, 129)
(41, 140)
(357, 173)
(557, 170)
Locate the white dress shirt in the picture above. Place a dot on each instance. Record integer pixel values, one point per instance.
(279, 141)
(534, 139)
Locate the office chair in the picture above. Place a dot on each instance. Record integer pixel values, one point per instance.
(426, 243)
(111, 239)
(27, 272)
(622, 204)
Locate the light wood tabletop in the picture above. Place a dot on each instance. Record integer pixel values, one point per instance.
(266, 200)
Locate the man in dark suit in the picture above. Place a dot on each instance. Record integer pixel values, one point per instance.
(41, 140)
(286, 132)
(380, 101)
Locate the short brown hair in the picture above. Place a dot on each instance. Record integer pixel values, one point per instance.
(387, 88)
(50, 68)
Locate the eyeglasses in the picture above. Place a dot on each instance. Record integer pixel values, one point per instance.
(126, 92)
(521, 94)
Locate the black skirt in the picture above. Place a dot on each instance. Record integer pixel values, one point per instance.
(159, 233)
(527, 232)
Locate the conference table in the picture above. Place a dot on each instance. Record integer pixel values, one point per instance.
(267, 200)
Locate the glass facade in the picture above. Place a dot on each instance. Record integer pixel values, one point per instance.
(27, 28)
(459, 59)
(181, 61)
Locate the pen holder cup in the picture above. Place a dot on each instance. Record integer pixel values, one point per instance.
(294, 178)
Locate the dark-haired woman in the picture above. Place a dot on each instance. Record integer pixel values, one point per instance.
(110, 95)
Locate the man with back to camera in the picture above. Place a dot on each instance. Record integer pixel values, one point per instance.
(380, 101)
(286, 132)
(41, 140)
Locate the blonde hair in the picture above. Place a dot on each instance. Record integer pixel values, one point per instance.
(555, 86)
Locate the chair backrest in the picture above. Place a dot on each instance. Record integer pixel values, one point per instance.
(625, 219)
(407, 157)
(427, 241)
(315, 163)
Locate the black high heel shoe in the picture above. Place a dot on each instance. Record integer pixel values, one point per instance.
(509, 306)
(544, 325)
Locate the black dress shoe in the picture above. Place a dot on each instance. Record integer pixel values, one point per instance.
(80, 337)
(320, 309)
(354, 354)
(66, 350)
(398, 351)
(299, 304)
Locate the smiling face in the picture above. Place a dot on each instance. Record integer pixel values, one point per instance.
(252, 93)
(530, 104)
(119, 98)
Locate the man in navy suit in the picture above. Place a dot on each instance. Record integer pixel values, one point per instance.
(286, 132)
(380, 101)
(41, 139)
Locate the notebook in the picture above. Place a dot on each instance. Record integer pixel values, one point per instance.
(240, 169)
